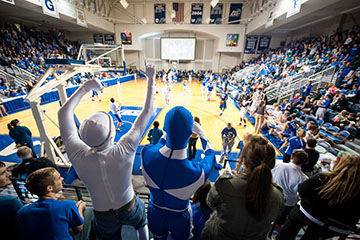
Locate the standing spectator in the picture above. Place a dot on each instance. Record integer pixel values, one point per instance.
(115, 110)
(306, 90)
(334, 194)
(323, 107)
(48, 218)
(9, 206)
(289, 176)
(2, 108)
(200, 210)
(244, 106)
(192, 142)
(21, 135)
(260, 116)
(29, 164)
(155, 134)
(228, 136)
(313, 157)
(245, 204)
(292, 143)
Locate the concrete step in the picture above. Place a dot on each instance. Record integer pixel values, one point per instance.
(347, 149)
(353, 146)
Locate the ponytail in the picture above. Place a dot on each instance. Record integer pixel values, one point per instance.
(11, 126)
(258, 191)
(259, 158)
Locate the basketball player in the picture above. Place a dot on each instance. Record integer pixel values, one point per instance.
(115, 109)
(210, 87)
(167, 91)
(185, 86)
(223, 98)
(244, 104)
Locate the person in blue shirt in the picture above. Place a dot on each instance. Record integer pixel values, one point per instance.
(310, 118)
(289, 128)
(155, 134)
(306, 89)
(228, 136)
(223, 98)
(48, 218)
(322, 107)
(292, 143)
(21, 135)
(9, 206)
(200, 210)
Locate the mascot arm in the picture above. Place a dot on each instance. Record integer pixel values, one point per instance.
(208, 162)
(134, 135)
(68, 129)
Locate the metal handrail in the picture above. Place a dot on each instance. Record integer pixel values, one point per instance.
(12, 80)
(22, 71)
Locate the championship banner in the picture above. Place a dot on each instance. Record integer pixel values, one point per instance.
(9, 1)
(50, 8)
(80, 18)
(98, 38)
(294, 8)
(196, 13)
(109, 38)
(264, 43)
(159, 12)
(216, 14)
(235, 13)
(251, 43)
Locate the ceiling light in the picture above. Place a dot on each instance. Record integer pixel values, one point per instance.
(124, 3)
(213, 3)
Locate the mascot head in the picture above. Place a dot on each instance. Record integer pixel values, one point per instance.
(178, 127)
(98, 131)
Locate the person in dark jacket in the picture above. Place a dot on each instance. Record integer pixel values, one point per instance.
(21, 135)
(334, 195)
(30, 164)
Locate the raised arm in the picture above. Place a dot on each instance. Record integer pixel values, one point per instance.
(208, 162)
(68, 129)
(133, 136)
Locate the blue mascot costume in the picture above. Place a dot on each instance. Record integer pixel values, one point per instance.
(171, 178)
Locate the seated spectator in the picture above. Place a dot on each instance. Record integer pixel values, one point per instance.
(313, 157)
(296, 100)
(340, 103)
(289, 176)
(307, 103)
(245, 204)
(30, 164)
(8, 206)
(200, 210)
(340, 119)
(352, 128)
(334, 194)
(48, 218)
(155, 134)
(310, 118)
(292, 143)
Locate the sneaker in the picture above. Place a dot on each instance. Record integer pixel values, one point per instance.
(244, 126)
(118, 130)
(240, 124)
(221, 114)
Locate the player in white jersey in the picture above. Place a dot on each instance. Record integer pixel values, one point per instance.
(164, 77)
(115, 109)
(167, 91)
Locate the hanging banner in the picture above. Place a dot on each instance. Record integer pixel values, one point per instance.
(196, 13)
(50, 8)
(294, 7)
(251, 43)
(9, 1)
(80, 17)
(264, 43)
(235, 13)
(216, 14)
(109, 38)
(270, 19)
(98, 38)
(159, 12)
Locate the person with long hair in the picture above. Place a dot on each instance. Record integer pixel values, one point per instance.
(21, 135)
(260, 116)
(292, 143)
(245, 203)
(334, 195)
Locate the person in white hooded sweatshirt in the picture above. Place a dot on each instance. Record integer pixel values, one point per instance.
(106, 168)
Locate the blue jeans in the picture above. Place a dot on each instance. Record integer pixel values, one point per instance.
(108, 224)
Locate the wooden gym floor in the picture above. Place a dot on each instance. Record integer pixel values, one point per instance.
(132, 94)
